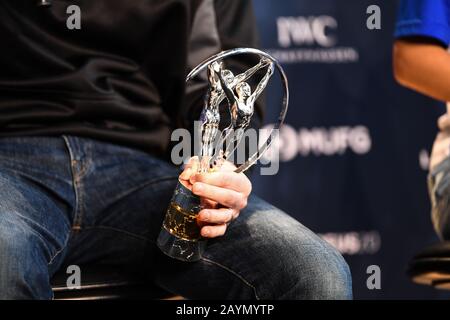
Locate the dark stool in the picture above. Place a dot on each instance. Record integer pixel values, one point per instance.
(432, 266)
(101, 283)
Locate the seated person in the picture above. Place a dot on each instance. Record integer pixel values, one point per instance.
(85, 123)
(422, 63)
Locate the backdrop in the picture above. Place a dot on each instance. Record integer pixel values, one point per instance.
(356, 145)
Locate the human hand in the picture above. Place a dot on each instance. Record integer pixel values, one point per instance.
(441, 146)
(224, 194)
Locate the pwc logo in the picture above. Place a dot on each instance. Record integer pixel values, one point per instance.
(312, 30)
(310, 39)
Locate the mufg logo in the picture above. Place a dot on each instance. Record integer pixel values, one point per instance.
(311, 39)
(311, 30)
(318, 141)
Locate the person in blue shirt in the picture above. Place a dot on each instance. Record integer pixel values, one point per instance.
(422, 63)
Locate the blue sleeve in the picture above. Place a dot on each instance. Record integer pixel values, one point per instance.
(428, 18)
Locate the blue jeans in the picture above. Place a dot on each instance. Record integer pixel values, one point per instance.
(69, 200)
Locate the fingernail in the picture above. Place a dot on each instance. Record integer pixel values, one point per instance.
(205, 232)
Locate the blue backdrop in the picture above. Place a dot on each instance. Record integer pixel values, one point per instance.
(355, 147)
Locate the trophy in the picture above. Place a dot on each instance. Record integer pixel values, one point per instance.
(180, 236)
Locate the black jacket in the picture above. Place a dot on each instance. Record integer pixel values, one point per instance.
(120, 78)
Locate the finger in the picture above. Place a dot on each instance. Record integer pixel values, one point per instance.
(226, 197)
(186, 174)
(444, 122)
(190, 168)
(213, 231)
(227, 180)
(192, 163)
(217, 216)
(208, 204)
(440, 149)
(227, 166)
(185, 184)
(441, 143)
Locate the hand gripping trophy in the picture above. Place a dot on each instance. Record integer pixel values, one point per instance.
(180, 234)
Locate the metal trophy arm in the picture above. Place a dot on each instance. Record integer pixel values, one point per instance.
(226, 89)
(285, 102)
(249, 73)
(263, 83)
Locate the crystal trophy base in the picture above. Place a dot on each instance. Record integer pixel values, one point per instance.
(180, 234)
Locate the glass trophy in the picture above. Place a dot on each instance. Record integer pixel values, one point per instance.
(180, 236)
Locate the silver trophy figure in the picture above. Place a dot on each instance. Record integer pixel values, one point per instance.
(241, 103)
(180, 234)
(220, 82)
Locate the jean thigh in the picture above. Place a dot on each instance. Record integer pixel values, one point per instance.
(265, 254)
(36, 189)
(34, 231)
(125, 194)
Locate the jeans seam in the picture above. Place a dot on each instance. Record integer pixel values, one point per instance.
(77, 212)
(67, 238)
(120, 231)
(57, 253)
(79, 215)
(52, 256)
(234, 274)
(84, 168)
(145, 184)
(142, 185)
